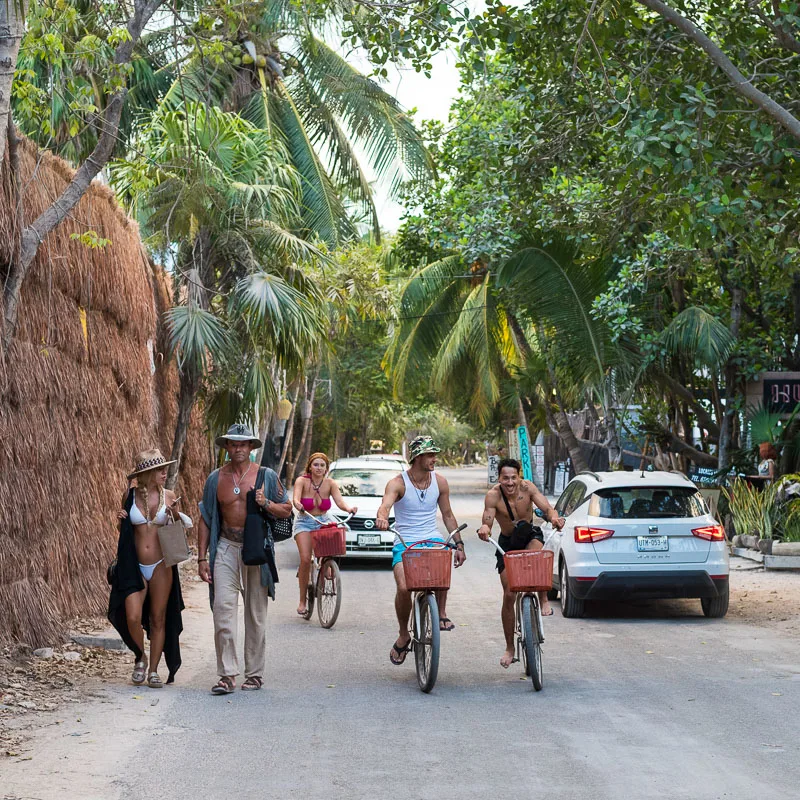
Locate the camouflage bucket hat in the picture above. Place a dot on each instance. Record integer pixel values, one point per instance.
(421, 446)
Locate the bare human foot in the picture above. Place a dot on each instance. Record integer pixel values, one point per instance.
(302, 609)
(547, 609)
(508, 658)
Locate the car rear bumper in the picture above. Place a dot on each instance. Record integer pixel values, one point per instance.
(654, 584)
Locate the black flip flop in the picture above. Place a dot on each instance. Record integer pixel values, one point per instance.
(401, 651)
(446, 621)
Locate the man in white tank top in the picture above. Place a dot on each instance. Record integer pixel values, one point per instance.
(416, 495)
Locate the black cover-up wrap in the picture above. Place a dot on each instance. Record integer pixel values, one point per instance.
(128, 579)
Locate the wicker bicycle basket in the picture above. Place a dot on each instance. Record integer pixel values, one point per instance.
(329, 540)
(427, 568)
(529, 570)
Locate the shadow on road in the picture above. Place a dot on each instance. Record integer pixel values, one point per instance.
(645, 610)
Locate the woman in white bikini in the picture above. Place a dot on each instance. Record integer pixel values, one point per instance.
(312, 499)
(152, 507)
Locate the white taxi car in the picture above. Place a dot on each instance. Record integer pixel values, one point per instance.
(362, 482)
(637, 534)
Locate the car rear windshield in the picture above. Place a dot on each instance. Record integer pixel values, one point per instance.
(647, 503)
(362, 482)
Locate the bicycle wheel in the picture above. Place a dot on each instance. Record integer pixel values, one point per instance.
(426, 645)
(310, 595)
(519, 640)
(329, 593)
(530, 643)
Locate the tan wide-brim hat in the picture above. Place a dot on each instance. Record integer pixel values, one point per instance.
(147, 460)
(238, 433)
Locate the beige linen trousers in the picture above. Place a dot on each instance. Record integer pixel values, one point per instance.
(233, 578)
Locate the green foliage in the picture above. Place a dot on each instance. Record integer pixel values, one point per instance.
(755, 511)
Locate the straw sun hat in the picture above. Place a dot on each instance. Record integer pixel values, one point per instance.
(147, 460)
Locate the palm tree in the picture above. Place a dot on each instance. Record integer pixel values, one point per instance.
(555, 288)
(454, 328)
(280, 75)
(222, 191)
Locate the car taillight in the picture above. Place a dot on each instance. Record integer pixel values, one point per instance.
(586, 535)
(711, 533)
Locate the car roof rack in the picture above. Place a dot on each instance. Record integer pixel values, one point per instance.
(589, 472)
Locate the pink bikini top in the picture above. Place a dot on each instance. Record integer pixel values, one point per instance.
(308, 503)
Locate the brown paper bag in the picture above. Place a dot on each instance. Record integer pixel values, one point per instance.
(174, 546)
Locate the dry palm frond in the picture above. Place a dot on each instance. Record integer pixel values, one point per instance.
(75, 407)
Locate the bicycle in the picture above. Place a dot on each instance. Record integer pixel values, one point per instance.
(529, 572)
(426, 571)
(325, 579)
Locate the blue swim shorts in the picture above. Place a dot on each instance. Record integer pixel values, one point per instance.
(397, 550)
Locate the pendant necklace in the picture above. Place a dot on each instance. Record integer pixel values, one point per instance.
(420, 492)
(236, 489)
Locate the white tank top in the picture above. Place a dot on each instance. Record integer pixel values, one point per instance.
(415, 516)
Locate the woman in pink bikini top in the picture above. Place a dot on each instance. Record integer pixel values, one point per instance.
(314, 494)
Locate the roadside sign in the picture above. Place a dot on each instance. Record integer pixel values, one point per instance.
(513, 444)
(524, 452)
(561, 478)
(494, 473)
(538, 465)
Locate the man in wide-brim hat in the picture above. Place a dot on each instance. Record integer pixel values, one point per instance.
(223, 512)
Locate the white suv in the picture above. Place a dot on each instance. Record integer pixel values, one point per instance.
(637, 534)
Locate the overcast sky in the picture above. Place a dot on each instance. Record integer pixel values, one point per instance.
(430, 96)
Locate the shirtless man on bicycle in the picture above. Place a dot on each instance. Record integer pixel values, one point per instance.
(416, 494)
(511, 504)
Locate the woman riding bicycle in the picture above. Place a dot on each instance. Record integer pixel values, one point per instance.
(313, 492)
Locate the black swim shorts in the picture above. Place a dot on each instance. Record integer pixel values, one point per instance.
(523, 534)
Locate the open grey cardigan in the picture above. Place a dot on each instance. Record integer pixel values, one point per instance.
(209, 508)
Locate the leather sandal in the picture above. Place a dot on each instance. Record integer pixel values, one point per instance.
(252, 684)
(224, 685)
(153, 681)
(139, 672)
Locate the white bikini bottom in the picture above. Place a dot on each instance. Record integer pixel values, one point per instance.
(147, 570)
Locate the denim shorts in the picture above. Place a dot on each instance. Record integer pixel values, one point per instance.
(304, 522)
(397, 550)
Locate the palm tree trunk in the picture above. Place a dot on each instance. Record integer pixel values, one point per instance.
(190, 377)
(557, 418)
(559, 422)
(187, 393)
(612, 436)
(304, 439)
(287, 442)
(731, 383)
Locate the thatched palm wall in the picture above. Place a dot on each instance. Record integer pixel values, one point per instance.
(75, 407)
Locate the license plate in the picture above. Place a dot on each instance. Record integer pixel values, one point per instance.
(368, 538)
(646, 544)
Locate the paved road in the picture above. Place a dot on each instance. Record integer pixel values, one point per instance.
(650, 701)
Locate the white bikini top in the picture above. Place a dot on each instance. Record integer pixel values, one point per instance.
(137, 518)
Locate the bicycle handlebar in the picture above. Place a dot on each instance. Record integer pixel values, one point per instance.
(497, 546)
(446, 543)
(338, 521)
